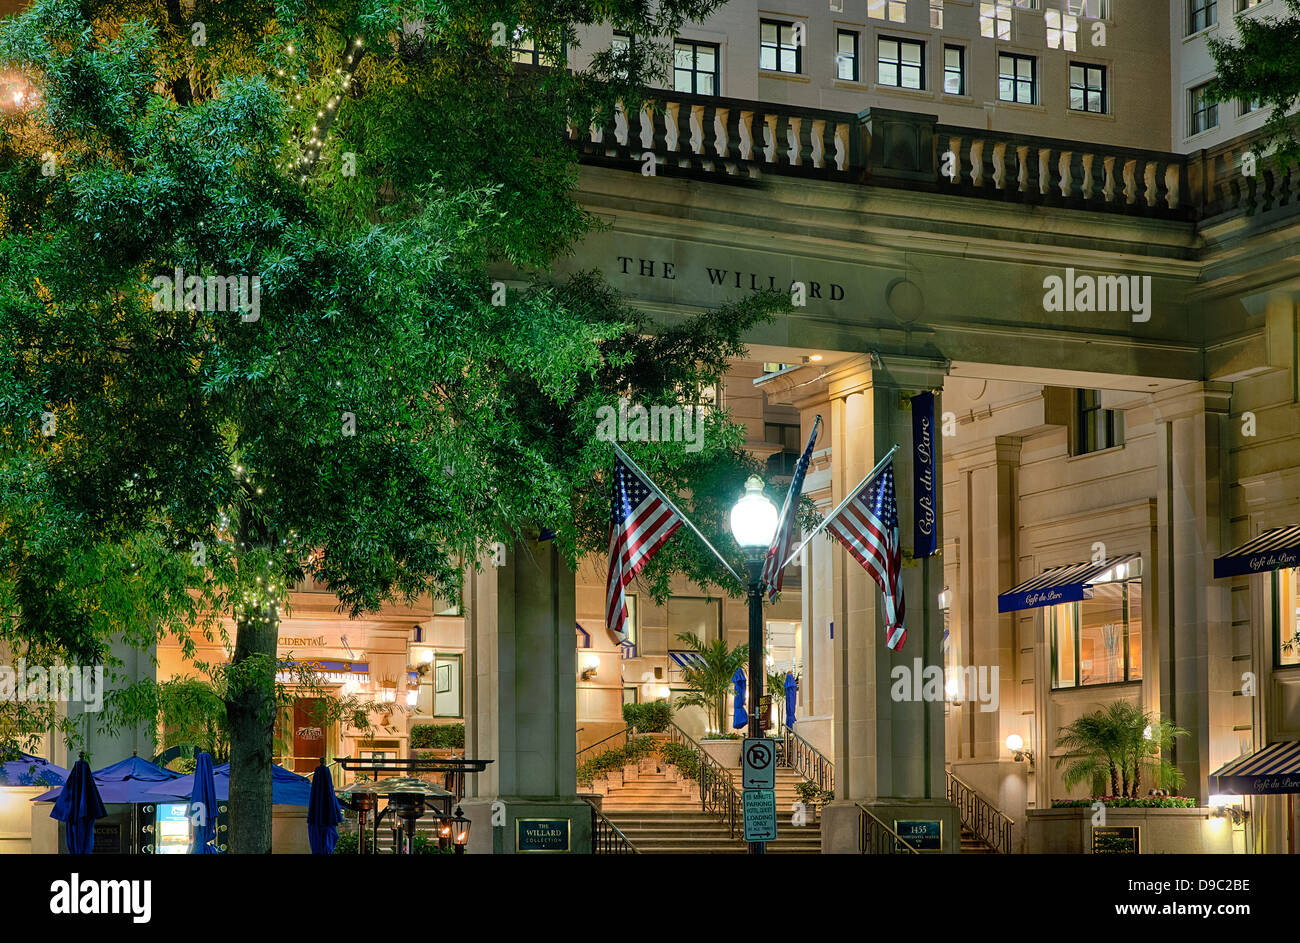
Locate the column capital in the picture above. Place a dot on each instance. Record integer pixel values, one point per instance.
(868, 371)
(1193, 399)
(1000, 450)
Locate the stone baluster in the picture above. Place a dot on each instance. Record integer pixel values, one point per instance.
(1110, 189)
(817, 142)
(794, 149)
(1130, 183)
(697, 129)
(672, 130)
(647, 128)
(1048, 178)
(842, 133)
(620, 124)
(769, 137)
(1003, 175)
(1174, 184)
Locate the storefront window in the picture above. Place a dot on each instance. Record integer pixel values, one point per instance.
(1287, 616)
(1099, 640)
(446, 685)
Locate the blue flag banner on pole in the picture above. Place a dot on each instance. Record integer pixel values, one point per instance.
(925, 521)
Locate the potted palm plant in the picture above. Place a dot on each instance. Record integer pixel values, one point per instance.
(1114, 746)
(708, 686)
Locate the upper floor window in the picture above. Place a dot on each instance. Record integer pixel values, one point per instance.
(995, 19)
(1088, 87)
(695, 67)
(1095, 428)
(954, 70)
(1247, 4)
(524, 48)
(1062, 30)
(1201, 14)
(1246, 105)
(936, 14)
(900, 63)
(893, 10)
(785, 435)
(779, 48)
(621, 45)
(847, 65)
(1017, 78)
(1090, 9)
(1203, 114)
(1286, 616)
(1099, 640)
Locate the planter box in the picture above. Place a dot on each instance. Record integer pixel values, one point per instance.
(631, 771)
(598, 787)
(1160, 831)
(648, 764)
(724, 752)
(615, 777)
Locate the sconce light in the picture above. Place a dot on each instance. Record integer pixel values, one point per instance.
(952, 690)
(590, 666)
(1016, 744)
(663, 692)
(412, 696)
(945, 598)
(427, 656)
(1229, 807)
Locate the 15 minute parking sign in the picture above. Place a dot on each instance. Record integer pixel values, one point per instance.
(758, 764)
(760, 814)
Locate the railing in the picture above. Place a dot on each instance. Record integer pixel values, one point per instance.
(988, 822)
(806, 760)
(877, 838)
(625, 735)
(717, 789)
(733, 139)
(606, 838)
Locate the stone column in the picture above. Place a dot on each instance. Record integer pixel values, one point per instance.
(988, 532)
(1195, 643)
(889, 753)
(521, 703)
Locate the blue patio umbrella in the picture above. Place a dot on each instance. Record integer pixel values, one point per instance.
(124, 782)
(791, 695)
(23, 769)
(78, 806)
(203, 807)
(742, 717)
(323, 813)
(287, 788)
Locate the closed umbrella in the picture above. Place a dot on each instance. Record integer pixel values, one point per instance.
(791, 695)
(323, 813)
(742, 717)
(78, 806)
(203, 799)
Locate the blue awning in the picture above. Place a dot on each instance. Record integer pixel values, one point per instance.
(687, 659)
(1271, 771)
(1272, 550)
(1061, 584)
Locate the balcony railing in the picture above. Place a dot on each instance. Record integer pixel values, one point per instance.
(983, 818)
(736, 140)
(717, 789)
(877, 838)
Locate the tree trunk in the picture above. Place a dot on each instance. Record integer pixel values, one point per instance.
(1114, 780)
(250, 711)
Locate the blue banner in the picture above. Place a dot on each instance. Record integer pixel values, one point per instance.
(925, 517)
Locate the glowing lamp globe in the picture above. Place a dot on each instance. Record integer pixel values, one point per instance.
(753, 519)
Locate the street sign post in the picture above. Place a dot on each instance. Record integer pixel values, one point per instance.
(758, 764)
(760, 815)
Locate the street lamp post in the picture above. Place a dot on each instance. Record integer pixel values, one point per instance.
(753, 524)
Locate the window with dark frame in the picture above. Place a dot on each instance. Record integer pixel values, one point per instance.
(1099, 640)
(847, 66)
(1201, 14)
(778, 48)
(695, 67)
(1286, 617)
(525, 50)
(1203, 114)
(900, 63)
(1017, 78)
(954, 70)
(1095, 428)
(621, 44)
(786, 435)
(1088, 88)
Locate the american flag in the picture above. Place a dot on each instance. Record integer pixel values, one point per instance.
(639, 524)
(868, 528)
(784, 537)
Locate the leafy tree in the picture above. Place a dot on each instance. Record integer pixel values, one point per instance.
(370, 417)
(709, 681)
(1263, 66)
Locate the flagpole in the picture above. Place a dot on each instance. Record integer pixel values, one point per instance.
(839, 507)
(646, 478)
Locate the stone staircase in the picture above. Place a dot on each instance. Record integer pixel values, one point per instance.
(970, 845)
(659, 816)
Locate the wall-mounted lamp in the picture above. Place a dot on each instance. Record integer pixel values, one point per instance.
(1016, 744)
(945, 599)
(952, 690)
(590, 665)
(1229, 807)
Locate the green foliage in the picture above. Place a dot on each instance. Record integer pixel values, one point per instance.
(1263, 65)
(347, 844)
(709, 683)
(438, 736)
(648, 716)
(200, 464)
(637, 749)
(1117, 744)
(1128, 802)
(682, 757)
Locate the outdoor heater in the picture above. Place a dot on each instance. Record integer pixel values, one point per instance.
(363, 803)
(406, 807)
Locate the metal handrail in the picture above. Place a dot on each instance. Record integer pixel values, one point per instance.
(606, 837)
(877, 838)
(717, 789)
(625, 733)
(809, 762)
(988, 823)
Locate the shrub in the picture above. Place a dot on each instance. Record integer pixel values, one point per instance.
(1128, 802)
(682, 757)
(438, 737)
(347, 844)
(640, 748)
(649, 717)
